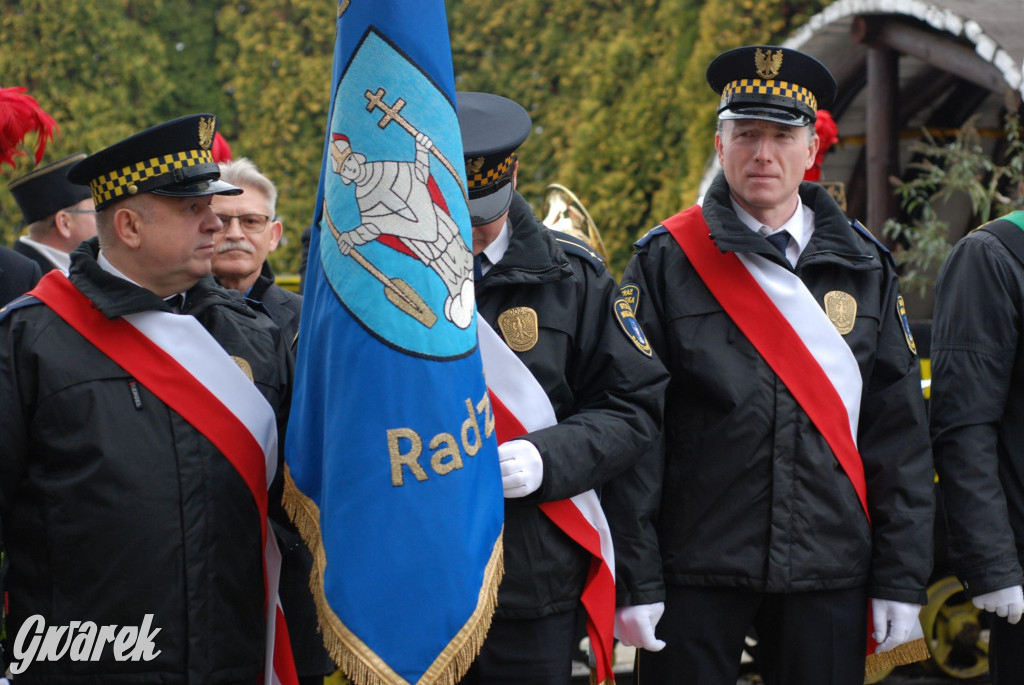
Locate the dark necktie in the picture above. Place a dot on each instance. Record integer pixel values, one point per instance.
(175, 302)
(780, 240)
(478, 266)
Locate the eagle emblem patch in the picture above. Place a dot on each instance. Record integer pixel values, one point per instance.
(841, 309)
(519, 328)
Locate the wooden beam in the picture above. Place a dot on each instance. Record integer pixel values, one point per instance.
(929, 47)
(882, 145)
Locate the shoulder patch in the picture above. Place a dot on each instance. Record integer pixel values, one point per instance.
(574, 246)
(631, 293)
(18, 303)
(901, 312)
(862, 229)
(657, 230)
(631, 327)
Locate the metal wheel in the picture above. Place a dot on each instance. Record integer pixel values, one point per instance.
(955, 631)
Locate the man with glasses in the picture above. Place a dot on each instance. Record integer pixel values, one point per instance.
(251, 232)
(59, 214)
(241, 247)
(142, 404)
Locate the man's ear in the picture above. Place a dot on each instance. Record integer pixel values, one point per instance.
(62, 220)
(276, 229)
(128, 227)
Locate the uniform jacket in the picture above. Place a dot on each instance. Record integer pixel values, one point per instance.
(45, 265)
(283, 306)
(17, 275)
(747, 493)
(115, 507)
(607, 397)
(977, 410)
(311, 658)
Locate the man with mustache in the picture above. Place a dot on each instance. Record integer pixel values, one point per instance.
(142, 403)
(251, 232)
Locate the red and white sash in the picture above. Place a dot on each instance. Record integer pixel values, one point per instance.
(780, 317)
(177, 360)
(521, 406)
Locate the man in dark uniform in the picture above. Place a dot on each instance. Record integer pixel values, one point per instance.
(977, 421)
(59, 214)
(17, 275)
(251, 232)
(138, 442)
(796, 482)
(551, 299)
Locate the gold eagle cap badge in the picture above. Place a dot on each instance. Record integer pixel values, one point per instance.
(768, 65)
(244, 366)
(519, 328)
(841, 309)
(207, 127)
(474, 165)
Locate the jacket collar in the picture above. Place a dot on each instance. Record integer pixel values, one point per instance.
(833, 238)
(117, 297)
(532, 254)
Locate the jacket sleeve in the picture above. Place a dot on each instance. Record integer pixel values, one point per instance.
(975, 338)
(632, 499)
(618, 395)
(896, 452)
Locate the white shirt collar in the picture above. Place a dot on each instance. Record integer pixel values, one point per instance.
(114, 271)
(61, 260)
(496, 250)
(800, 227)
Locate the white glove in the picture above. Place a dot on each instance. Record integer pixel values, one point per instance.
(894, 623)
(522, 469)
(1008, 602)
(634, 626)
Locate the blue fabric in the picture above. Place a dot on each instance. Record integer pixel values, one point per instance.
(779, 240)
(407, 538)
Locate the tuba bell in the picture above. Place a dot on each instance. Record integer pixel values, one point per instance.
(564, 212)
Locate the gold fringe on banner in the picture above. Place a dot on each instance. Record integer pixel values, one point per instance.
(900, 655)
(359, 663)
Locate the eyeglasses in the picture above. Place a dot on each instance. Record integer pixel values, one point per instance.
(250, 223)
(80, 211)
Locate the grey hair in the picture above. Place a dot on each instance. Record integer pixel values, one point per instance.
(243, 173)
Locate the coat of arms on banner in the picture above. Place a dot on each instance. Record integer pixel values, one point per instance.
(385, 212)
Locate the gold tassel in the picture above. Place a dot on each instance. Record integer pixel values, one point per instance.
(900, 655)
(359, 663)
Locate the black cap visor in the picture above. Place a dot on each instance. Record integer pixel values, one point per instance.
(488, 204)
(214, 187)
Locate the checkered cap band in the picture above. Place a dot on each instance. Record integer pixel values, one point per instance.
(756, 86)
(485, 177)
(114, 185)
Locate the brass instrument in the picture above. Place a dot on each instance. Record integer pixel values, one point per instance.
(563, 211)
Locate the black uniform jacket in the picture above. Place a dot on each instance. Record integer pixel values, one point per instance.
(748, 493)
(283, 306)
(115, 507)
(45, 265)
(606, 393)
(977, 410)
(18, 275)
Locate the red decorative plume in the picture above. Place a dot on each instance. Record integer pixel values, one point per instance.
(221, 151)
(19, 114)
(828, 134)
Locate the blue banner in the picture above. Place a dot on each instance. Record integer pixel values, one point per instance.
(390, 443)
